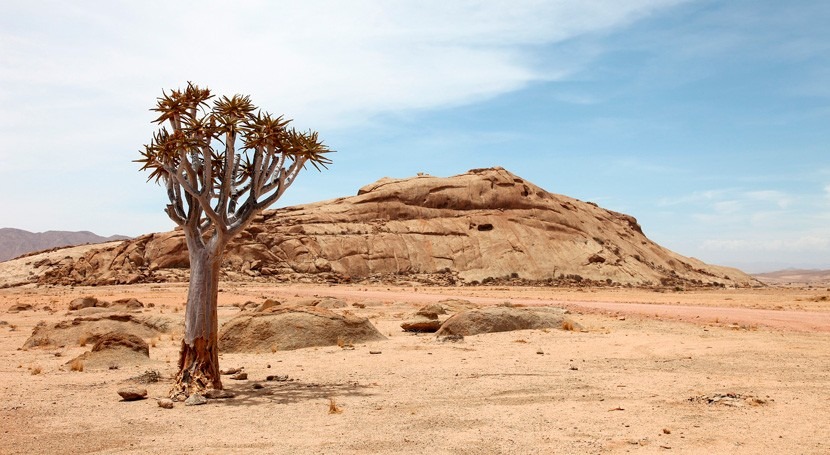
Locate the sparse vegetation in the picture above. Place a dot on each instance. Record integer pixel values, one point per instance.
(76, 365)
(333, 408)
(568, 326)
(35, 370)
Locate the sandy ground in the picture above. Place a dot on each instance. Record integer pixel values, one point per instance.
(641, 378)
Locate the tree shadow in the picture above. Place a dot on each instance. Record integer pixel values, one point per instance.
(290, 391)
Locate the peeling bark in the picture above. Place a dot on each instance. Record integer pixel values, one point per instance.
(199, 355)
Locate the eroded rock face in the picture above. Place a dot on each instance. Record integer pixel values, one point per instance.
(483, 225)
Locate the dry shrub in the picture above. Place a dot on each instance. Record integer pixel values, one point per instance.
(76, 365)
(568, 326)
(37, 369)
(83, 339)
(333, 409)
(153, 342)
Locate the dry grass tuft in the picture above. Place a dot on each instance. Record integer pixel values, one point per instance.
(76, 365)
(568, 326)
(333, 409)
(37, 369)
(83, 339)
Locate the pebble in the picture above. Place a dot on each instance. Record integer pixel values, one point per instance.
(165, 403)
(240, 376)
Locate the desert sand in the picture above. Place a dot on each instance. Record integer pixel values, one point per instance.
(710, 371)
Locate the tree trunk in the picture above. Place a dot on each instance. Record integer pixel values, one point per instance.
(199, 356)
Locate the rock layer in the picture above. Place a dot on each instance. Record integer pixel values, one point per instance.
(481, 226)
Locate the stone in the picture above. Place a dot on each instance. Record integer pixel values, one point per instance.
(240, 376)
(431, 311)
(195, 399)
(165, 403)
(128, 304)
(268, 303)
(290, 328)
(422, 325)
(132, 393)
(215, 394)
(83, 302)
(504, 319)
(18, 307)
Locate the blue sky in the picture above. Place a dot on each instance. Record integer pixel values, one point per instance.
(706, 120)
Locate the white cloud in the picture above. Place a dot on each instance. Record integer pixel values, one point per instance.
(77, 78)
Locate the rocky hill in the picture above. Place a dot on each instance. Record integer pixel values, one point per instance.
(17, 242)
(484, 226)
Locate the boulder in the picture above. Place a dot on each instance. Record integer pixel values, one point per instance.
(83, 329)
(115, 350)
(86, 302)
(128, 304)
(132, 393)
(268, 303)
(293, 328)
(431, 311)
(421, 325)
(504, 319)
(18, 307)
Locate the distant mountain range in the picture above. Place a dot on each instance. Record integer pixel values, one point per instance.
(795, 276)
(17, 242)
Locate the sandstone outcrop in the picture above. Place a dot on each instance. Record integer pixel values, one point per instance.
(505, 319)
(283, 329)
(91, 329)
(484, 226)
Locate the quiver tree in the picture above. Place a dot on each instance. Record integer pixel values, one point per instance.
(222, 161)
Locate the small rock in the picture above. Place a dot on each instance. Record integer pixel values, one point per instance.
(240, 376)
(195, 400)
(132, 393)
(258, 386)
(165, 403)
(666, 431)
(540, 352)
(230, 371)
(375, 352)
(278, 378)
(214, 394)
